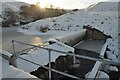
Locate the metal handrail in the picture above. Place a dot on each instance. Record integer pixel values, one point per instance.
(59, 72)
(16, 54)
(107, 61)
(63, 52)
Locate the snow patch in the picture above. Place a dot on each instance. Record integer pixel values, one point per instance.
(12, 72)
(41, 56)
(113, 68)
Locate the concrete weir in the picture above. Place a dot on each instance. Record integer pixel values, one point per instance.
(88, 42)
(91, 48)
(87, 33)
(73, 38)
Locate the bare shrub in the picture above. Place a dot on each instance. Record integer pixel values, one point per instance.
(44, 29)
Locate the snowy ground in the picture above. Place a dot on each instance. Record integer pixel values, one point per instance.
(52, 33)
(9, 71)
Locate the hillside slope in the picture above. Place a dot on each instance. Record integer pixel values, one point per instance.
(13, 5)
(105, 6)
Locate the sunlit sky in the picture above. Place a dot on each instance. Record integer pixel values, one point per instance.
(66, 4)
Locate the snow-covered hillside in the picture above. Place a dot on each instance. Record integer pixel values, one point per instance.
(17, 4)
(105, 21)
(13, 5)
(105, 6)
(6, 5)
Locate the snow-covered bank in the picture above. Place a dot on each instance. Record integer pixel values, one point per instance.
(49, 33)
(8, 71)
(12, 72)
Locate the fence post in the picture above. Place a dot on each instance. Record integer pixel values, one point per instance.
(50, 63)
(13, 46)
(74, 59)
(13, 57)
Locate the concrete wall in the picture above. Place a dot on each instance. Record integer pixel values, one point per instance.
(12, 59)
(95, 34)
(86, 33)
(74, 38)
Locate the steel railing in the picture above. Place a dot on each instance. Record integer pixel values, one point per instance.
(62, 52)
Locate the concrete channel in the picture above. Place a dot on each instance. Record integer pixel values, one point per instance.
(89, 42)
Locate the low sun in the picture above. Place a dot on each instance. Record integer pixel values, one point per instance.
(42, 5)
(46, 3)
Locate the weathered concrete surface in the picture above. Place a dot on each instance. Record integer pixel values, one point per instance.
(73, 38)
(90, 45)
(91, 48)
(86, 53)
(95, 34)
